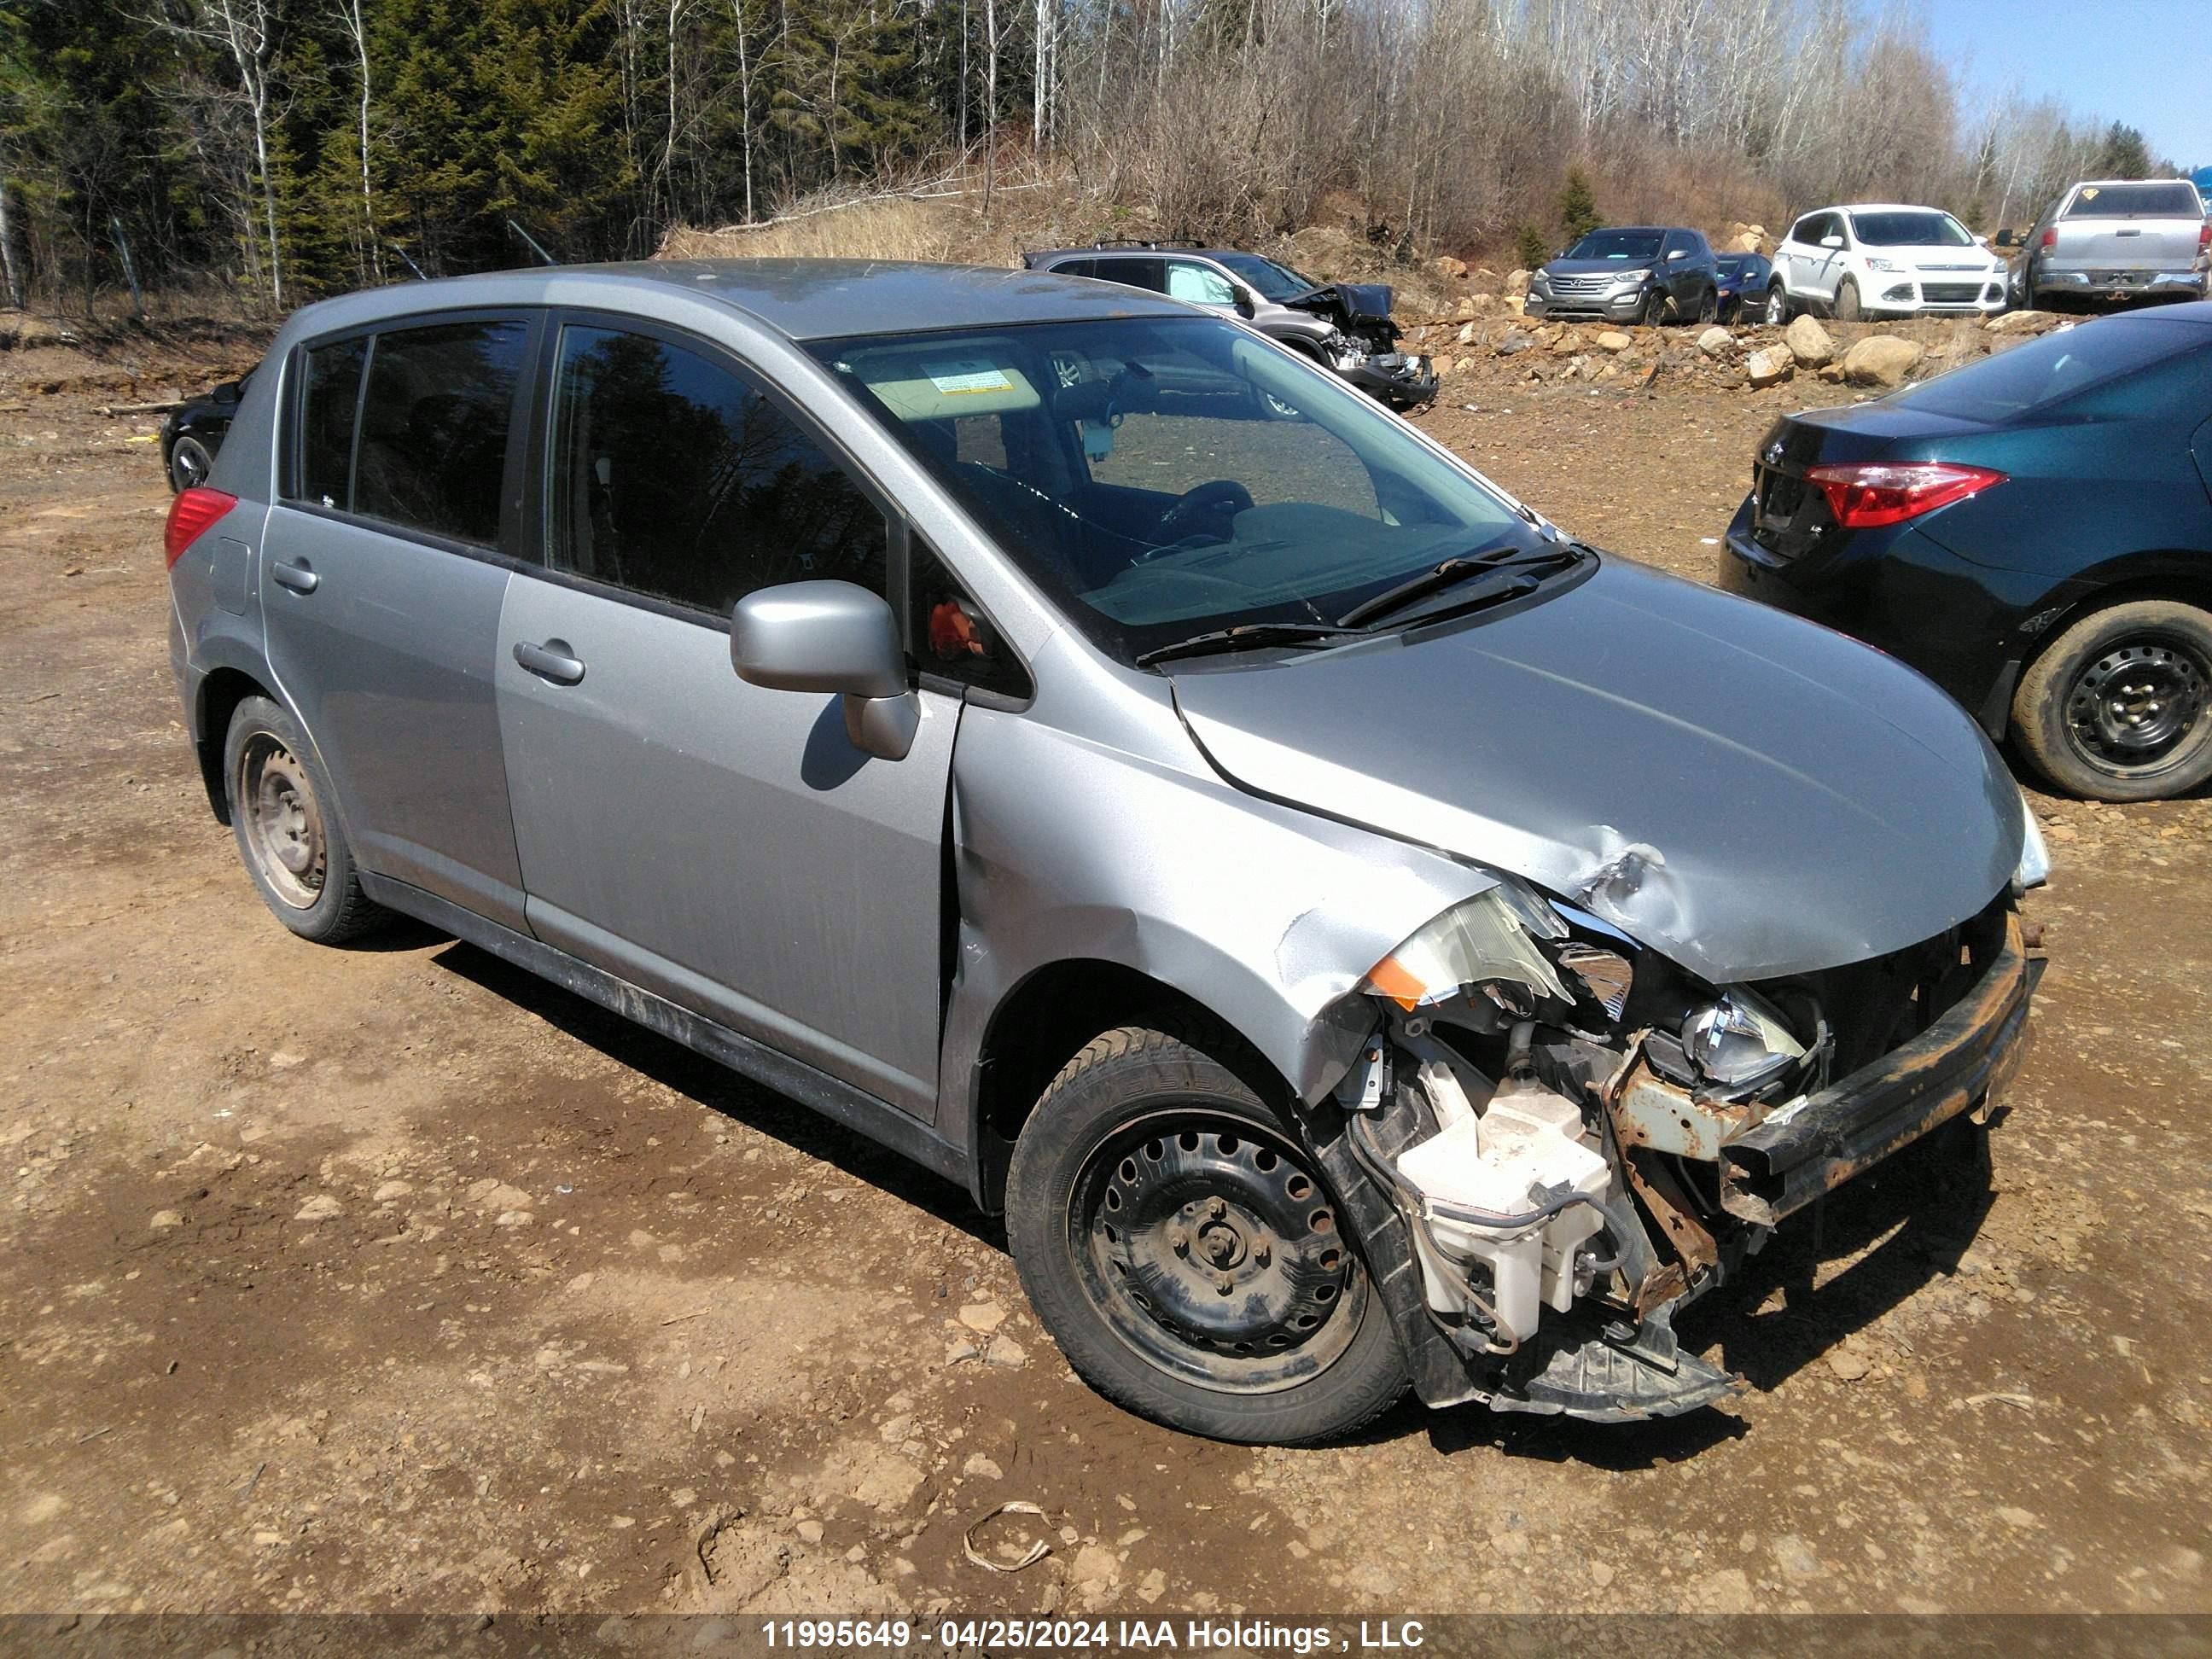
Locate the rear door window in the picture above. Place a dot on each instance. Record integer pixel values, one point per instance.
(431, 451)
(674, 476)
(1134, 273)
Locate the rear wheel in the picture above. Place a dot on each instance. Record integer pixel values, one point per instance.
(1848, 309)
(1777, 306)
(2120, 707)
(1174, 1239)
(287, 836)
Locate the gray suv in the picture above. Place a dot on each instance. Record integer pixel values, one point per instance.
(1651, 274)
(1357, 936)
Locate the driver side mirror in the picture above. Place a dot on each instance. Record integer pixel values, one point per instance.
(1677, 253)
(1832, 241)
(831, 636)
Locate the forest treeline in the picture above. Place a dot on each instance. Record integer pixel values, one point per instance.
(278, 149)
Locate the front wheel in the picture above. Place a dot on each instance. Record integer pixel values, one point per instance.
(1709, 308)
(1848, 309)
(1777, 306)
(2120, 707)
(1655, 308)
(1174, 1239)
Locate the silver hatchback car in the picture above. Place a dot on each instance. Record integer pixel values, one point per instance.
(1356, 935)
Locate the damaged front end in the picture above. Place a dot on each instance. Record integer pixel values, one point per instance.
(1554, 1139)
(1362, 344)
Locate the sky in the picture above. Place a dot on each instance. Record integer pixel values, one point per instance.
(2147, 62)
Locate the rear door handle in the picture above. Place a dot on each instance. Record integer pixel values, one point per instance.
(549, 661)
(299, 577)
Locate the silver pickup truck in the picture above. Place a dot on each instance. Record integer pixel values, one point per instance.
(2112, 240)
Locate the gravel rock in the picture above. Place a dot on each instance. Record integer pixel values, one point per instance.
(321, 1207)
(1614, 340)
(1849, 1364)
(983, 1317)
(1771, 367)
(1808, 342)
(1714, 342)
(1883, 360)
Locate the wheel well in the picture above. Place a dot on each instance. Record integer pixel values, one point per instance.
(221, 693)
(1044, 1022)
(2174, 586)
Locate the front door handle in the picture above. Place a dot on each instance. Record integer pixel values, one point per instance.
(549, 661)
(299, 577)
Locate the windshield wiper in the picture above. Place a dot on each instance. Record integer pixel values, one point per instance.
(1250, 636)
(1454, 571)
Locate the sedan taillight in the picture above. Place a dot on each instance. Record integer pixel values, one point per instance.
(190, 515)
(1868, 494)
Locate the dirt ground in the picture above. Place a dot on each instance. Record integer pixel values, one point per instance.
(392, 1279)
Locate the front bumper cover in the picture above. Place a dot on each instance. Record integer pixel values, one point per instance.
(1960, 1063)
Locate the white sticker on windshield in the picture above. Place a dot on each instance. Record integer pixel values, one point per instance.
(968, 378)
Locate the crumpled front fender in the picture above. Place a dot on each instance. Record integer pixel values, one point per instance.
(1267, 916)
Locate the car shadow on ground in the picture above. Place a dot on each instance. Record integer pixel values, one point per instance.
(1901, 1224)
(719, 1089)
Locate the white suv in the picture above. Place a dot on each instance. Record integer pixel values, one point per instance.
(1882, 259)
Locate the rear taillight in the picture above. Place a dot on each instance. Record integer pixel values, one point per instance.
(2205, 236)
(1868, 494)
(190, 515)
(2050, 237)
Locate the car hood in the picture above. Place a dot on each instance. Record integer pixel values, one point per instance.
(1748, 793)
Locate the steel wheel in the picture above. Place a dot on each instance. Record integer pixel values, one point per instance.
(2137, 702)
(1208, 1248)
(282, 824)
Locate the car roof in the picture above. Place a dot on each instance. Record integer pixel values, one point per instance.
(1148, 250)
(801, 299)
(1654, 230)
(1883, 207)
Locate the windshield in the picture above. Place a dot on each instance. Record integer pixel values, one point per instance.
(1918, 228)
(1274, 282)
(1617, 245)
(2173, 200)
(2032, 378)
(1161, 477)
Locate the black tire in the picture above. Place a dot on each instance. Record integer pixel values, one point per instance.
(190, 462)
(2119, 707)
(1777, 306)
(287, 835)
(1709, 308)
(1654, 314)
(1848, 309)
(1210, 1189)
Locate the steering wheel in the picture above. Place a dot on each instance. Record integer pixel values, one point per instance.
(1207, 510)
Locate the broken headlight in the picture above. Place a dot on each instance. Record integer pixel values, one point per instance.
(1740, 1043)
(1491, 937)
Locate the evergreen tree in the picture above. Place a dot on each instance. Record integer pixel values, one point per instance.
(1578, 214)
